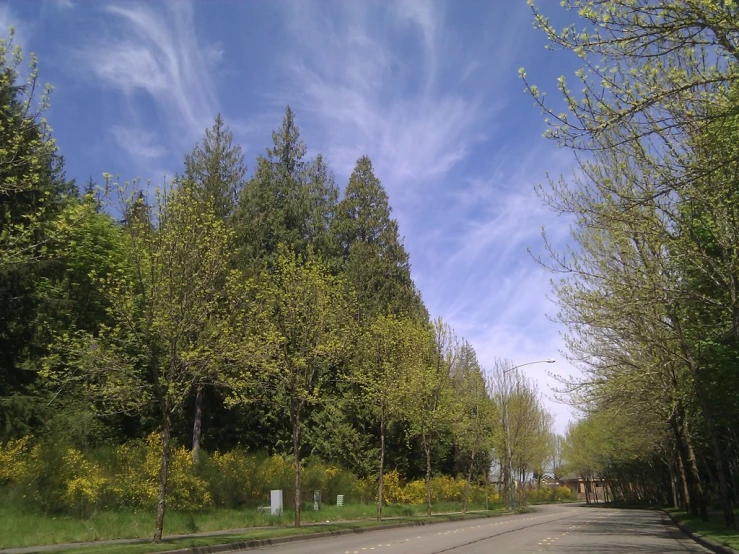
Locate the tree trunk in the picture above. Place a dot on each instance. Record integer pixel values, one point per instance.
(487, 481)
(164, 468)
(723, 481)
(595, 491)
(685, 493)
(427, 449)
(296, 454)
(197, 427)
(382, 467)
(697, 502)
(467, 485)
(673, 484)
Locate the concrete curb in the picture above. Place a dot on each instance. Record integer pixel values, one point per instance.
(711, 545)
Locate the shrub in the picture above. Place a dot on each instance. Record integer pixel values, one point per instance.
(233, 478)
(136, 477)
(446, 489)
(14, 458)
(84, 483)
(57, 477)
(393, 490)
(549, 494)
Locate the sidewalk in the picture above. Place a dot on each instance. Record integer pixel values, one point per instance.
(169, 538)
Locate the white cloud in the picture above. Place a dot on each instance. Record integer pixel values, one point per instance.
(154, 49)
(427, 102)
(363, 94)
(138, 141)
(8, 19)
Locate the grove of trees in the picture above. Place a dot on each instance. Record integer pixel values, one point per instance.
(649, 288)
(264, 311)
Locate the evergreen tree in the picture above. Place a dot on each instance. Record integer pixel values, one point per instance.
(289, 200)
(375, 262)
(216, 168)
(33, 195)
(216, 172)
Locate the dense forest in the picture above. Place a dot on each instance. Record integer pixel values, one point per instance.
(168, 344)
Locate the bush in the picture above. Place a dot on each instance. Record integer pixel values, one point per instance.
(62, 478)
(443, 489)
(84, 483)
(57, 477)
(549, 494)
(136, 477)
(14, 461)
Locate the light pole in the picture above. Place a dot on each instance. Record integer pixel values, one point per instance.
(511, 481)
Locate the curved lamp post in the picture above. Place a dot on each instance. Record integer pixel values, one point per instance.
(508, 433)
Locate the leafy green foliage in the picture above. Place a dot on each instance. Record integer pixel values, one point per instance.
(649, 292)
(257, 305)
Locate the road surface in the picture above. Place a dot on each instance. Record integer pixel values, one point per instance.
(552, 529)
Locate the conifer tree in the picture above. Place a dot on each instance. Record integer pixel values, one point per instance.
(33, 198)
(216, 172)
(289, 200)
(375, 262)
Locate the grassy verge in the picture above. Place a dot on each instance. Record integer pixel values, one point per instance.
(713, 529)
(254, 535)
(21, 527)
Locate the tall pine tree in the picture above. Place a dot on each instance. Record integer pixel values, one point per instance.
(215, 171)
(33, 195)
(290, 200)
(375, 260)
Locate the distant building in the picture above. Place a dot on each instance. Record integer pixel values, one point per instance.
(590, 490)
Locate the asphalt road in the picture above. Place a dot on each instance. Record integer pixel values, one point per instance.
(552, 529)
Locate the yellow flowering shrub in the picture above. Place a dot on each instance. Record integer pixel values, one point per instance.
(234, 478)
(363, 490)
(136, 474)
(136, 483)
(57, 477)
(84, 482)
(443, 489)
(14, 467)
(415, 492)
(185, 489)
(393, 489)
(276, 472)
(549, 494)
(447, 489)
(315, 476)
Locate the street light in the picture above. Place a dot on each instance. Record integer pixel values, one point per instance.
(508, 432)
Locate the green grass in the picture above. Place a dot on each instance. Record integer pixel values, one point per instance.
(713, 529)
(23, 527)
(240, 537)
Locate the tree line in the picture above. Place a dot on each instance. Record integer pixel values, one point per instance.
(265, 310)
(649, 288)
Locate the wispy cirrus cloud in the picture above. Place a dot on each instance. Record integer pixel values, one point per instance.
(9, 18)
(427, 101)
(375, 79)
(487, 284)
(151, 54)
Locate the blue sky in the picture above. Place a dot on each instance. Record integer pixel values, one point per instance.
(429, 90)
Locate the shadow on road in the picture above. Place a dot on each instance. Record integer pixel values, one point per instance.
(650, 533)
